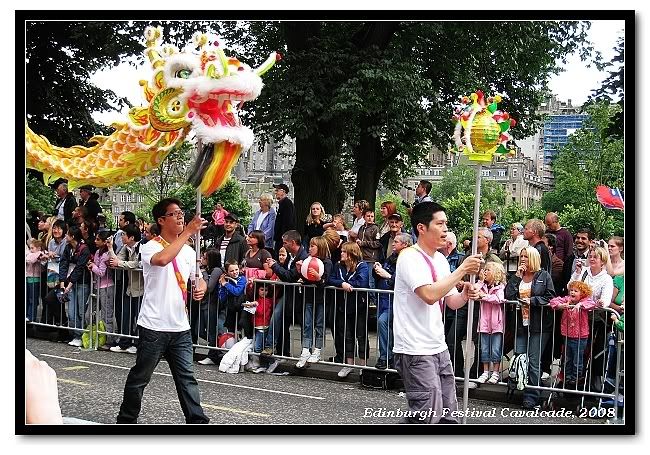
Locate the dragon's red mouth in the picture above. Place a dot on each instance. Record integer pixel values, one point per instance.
(216, 109)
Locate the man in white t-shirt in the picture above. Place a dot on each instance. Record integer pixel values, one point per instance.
(420, 352)
(162, 323)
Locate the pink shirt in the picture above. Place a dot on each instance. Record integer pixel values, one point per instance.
(575, 321)
(218, 216)
(101, 270)
(492, 312)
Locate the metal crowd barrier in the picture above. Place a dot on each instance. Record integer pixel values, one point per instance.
(353, 321)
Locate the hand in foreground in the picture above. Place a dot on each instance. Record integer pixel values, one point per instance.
(347, 287)
(41, 393)
(196, 224)
(470, 292)
(198, 293)
(472, 264)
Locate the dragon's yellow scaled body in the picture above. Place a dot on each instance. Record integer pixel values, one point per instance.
(190, 91)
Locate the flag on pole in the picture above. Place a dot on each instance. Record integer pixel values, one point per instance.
(610, 198)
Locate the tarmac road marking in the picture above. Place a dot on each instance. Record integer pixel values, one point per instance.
(236, 411)
(70, 381)
(78, 367)
(280, 392)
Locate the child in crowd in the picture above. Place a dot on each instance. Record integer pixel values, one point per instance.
(491, 321)
(98, 265)
(282, 256)
(263, 312)
(314, 310)
(35, 258)
(574, 326)
(231, 300)
(338, 224)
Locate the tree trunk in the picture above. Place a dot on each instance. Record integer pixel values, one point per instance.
(313, 180)
(368, 165)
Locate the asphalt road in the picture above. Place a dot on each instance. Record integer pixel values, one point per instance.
(91, 385)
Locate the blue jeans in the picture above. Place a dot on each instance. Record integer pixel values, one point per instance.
(33, 291)
(77, 307)
(533, 346)
(260, 335)
(385, 333)
(177, 349)
(313, 318)
(277, 319)
(574, 358)
(491, 347)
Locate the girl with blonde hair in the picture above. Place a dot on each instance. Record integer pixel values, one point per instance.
(351, 310)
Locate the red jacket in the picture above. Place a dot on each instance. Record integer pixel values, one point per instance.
(263, 312)
(575, 321)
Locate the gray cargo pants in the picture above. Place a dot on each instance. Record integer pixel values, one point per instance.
(430, 387)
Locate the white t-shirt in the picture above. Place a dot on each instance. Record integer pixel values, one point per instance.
(418, 327)
(260, 219)
(163, 308)
(358, 222)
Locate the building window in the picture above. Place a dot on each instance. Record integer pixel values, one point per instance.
(514, 187)
(514, 199)
(502, 172)
(123, 198)
(485, 172)
(436, 172)
(514, 172)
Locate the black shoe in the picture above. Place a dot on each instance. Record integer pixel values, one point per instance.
(529, 405)
(381, 364)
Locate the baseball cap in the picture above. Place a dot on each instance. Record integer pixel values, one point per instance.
(231, 216)
(282, 186)
(395, 216)
(87, 187)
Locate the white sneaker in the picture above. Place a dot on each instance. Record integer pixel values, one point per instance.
(75, 342)
(132, 350)
(315, 356)
(274, 365)
(494, 378)
(484, 377)
(117, 349)
(345, 371)
(207, 361)
(303, 358)
(545, 376)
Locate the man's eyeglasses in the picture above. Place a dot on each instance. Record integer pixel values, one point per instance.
(175, 213)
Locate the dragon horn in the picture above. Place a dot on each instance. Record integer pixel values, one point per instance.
(153, 35)
(268, 64)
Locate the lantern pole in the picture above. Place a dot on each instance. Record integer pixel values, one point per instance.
(470, 303)
(197, 244)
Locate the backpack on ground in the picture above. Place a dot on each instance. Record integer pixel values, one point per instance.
(378, 379)
(518, 375)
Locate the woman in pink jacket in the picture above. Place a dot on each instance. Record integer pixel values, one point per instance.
(218, 216)
(491, 321)
(574, 327)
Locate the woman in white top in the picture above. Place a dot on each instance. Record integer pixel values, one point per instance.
(596, 276)
(616, 264)
(511, 248)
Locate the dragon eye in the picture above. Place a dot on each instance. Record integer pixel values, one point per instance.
(184, 73)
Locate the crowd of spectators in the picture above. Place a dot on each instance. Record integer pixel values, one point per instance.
(535, 266)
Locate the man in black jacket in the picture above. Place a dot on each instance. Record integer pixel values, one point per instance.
(91, 204)
(65, 204)
(580, 252)
(285, 219)
(231, 246)
(291, 298)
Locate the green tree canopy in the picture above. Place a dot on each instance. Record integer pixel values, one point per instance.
(590, 158)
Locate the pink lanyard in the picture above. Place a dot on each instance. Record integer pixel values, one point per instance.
(441, 302)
